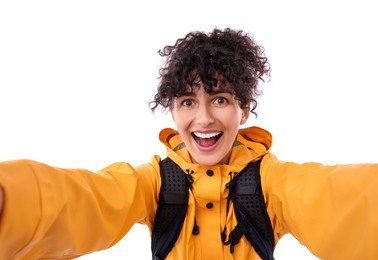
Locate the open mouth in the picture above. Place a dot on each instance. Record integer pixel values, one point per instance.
(206, 139)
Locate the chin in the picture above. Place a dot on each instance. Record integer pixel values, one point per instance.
(208, 162)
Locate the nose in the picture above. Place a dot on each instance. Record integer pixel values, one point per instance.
(204, 115)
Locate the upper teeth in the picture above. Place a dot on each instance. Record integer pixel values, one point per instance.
(206, 135)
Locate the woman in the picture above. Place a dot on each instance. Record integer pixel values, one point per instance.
(209, 84)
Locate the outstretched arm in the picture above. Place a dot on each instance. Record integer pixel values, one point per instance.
(332, 210)
(1, 201)
(61, 213)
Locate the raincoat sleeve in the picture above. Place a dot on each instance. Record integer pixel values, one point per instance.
(332, 210)
(56, 213)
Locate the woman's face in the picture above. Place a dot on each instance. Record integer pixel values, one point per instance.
(208, 124)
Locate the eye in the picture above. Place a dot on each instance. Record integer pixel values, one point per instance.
(221, 100)
(187, 103)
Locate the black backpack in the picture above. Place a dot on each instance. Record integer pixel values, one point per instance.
(245, 194)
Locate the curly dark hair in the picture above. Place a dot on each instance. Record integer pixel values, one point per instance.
(201, 56)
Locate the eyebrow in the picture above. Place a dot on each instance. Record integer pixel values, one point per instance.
(190, 94)
(212, 93)
(220, 91)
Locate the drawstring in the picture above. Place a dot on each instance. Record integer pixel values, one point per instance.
(240, 229)
(195, 230)
(189, 176)
(229, 186)
(235, 235)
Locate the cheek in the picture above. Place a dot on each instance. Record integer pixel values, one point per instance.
(233, 116)
(179, 119)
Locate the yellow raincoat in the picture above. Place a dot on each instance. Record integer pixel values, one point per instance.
(55, 213)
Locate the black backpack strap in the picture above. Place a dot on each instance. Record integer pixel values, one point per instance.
(250, 210)
(171, 210)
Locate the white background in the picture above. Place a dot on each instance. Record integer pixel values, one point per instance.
(76, 78)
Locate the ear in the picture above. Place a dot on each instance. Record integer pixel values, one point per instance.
(245, 115)
(172, 114)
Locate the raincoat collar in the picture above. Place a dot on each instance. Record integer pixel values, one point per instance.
(250, 144)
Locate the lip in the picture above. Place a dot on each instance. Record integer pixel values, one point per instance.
(197, 134)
